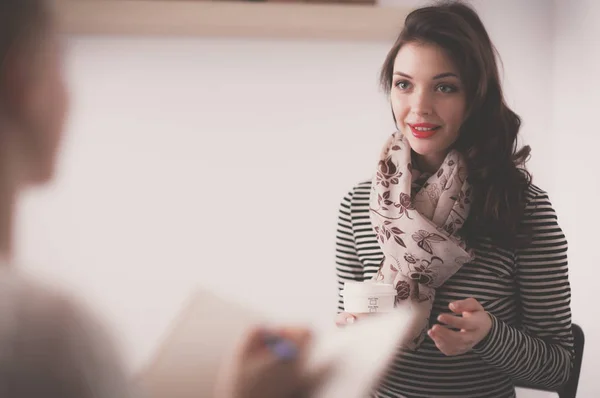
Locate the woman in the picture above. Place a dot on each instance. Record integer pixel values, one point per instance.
(49, 346)
(452, 219)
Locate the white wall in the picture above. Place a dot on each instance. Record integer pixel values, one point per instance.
(576, 103)
(221, 163)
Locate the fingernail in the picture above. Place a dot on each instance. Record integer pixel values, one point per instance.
(452, 306)
(350, 319)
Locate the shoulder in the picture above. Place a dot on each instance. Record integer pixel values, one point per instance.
(38, 320)
(22, 295)
(538, 201)
(540, 228)
(356, 198)
(37, 309)
(359, 191)
(534, 193)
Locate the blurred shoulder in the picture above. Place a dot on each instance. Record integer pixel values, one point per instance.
(48, 335)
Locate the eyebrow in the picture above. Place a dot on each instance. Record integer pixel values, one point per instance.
(440, 76)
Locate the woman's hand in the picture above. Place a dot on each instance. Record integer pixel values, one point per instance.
(474, 326)
(268, 364)
(346, 318)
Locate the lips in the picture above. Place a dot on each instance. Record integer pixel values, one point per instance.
(424, 130)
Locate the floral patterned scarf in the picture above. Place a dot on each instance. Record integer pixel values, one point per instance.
(418, 233)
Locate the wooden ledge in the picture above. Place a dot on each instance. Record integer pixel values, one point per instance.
(231, 19)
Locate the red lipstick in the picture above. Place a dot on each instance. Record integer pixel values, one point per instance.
(424, 130)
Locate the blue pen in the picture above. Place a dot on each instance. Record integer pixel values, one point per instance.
(282, 348)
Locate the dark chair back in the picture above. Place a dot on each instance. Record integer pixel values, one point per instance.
(570, 389)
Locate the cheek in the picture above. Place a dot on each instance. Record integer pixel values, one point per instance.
(400, 107)
(453, 114)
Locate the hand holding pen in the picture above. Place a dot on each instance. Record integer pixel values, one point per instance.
(269, 364)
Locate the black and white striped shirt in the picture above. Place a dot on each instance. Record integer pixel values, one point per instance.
(527, 292)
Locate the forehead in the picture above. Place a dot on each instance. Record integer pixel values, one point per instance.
(423, 60)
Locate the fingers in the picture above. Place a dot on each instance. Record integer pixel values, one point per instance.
(251, 342)
(467, 305)
(268, 363)
(457, 322)
(312, 382)
(450, 342)
(473, 325)
(299, 336)
(273, 345)
(345, 318)
(438, 334)
(288, 344)
(268, 377)
(444, 334)
(293, 374)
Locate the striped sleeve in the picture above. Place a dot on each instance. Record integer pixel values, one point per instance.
(540, 352)
(348, 266)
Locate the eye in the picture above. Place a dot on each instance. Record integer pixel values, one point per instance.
(403, 84)
(446, 88)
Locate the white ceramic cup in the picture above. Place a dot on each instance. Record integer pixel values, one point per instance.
(368, 297)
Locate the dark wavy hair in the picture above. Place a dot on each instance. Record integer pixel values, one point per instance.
(488, 137)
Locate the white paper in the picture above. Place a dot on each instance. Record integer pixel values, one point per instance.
(186, 364)
(187, 361)
(359, 354)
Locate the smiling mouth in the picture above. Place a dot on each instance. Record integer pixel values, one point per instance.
(424, 130)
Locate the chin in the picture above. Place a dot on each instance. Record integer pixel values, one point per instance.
(41, 175)
(39, 180)
(423, 147)
(429, 146)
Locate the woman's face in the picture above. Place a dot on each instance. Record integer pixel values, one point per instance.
(428, 99)
(36, 101)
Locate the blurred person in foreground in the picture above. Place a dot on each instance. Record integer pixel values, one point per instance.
(49, 345)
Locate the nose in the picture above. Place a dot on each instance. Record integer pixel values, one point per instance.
(421, 103)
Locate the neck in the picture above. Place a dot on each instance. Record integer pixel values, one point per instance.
(429, 163)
